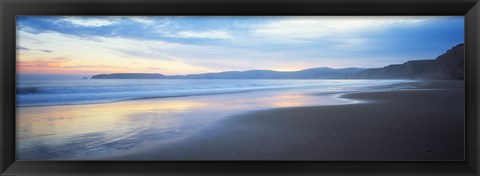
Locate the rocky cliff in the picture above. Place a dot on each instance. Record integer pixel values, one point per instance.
(449, 65)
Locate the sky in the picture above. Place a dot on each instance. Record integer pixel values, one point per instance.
(177, 45)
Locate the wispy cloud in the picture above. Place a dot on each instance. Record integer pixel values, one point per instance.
(211, 34)
(19, 48)
(327, 26)
(46, 51)
(89, 21)
(142, 19)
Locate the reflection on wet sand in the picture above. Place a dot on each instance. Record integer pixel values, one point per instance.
(69, 120)
(76, 131)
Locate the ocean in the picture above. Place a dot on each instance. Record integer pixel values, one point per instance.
(47, 92)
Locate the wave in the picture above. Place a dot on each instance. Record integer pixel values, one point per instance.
(73, 97)
(100, 101)
(105, 91)
(27, 90)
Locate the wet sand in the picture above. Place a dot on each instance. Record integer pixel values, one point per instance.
(417, 124)
(71, 132)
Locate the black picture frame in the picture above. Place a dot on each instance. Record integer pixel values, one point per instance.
(10, 8)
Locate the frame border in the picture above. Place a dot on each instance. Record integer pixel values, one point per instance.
(10, 8)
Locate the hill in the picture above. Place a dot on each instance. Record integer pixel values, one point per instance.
(312, 73)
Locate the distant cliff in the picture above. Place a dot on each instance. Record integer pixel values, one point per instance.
(129, 76)
(410, 70)
(449, 65)
(312, 73)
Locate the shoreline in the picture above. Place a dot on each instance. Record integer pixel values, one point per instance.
(402, 125)
(156, 98)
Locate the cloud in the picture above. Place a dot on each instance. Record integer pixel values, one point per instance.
(209, 34)
(310, 27)
(89, 21)
(19, 48)
(142, 20)
(46, 51)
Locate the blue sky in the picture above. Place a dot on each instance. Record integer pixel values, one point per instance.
(196, 44)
